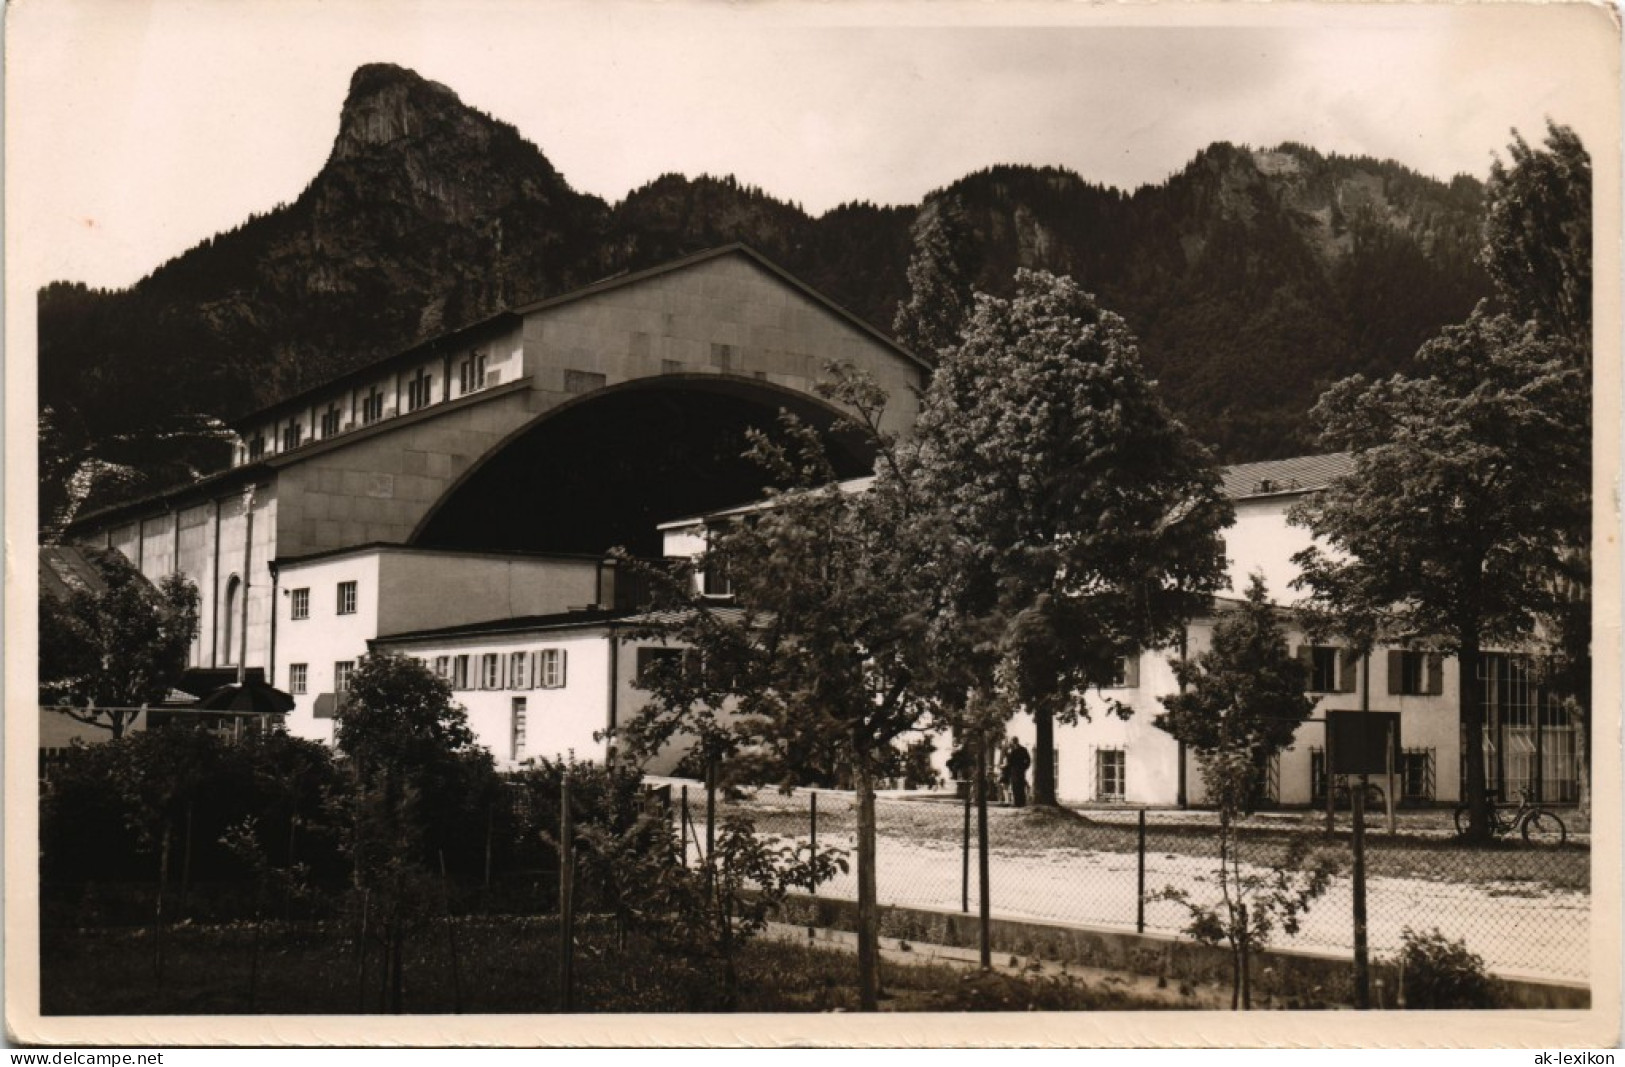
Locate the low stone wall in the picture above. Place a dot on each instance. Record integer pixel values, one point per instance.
(1290, 979)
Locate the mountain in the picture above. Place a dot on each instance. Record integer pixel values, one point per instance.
(1253, 277)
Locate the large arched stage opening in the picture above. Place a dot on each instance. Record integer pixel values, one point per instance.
(605, 469)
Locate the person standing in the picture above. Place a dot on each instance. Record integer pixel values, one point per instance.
(1016, 762)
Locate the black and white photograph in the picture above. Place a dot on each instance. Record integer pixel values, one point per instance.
(843, 524)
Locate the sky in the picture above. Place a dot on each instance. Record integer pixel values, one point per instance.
(136, 128)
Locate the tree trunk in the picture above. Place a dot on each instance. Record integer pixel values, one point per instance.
(868, 912)
(1471, 711)
(1580, 718)
(1044, 756)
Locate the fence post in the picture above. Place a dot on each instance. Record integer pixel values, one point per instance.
(566, 900)
(1139, 904)
(812, 878)
(984, 908)
(964, 858)
(682, 826)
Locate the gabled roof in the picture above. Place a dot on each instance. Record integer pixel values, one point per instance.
(511, 316)
(620, 281)
(1275, 477)
(65, 570)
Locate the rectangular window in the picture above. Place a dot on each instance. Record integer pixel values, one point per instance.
(518, 675)
(1127, 674)
(1412, 673)
(442, 667)
(1110, 765)
(346, 598)
(550, 668)
(291, 436)
(332, 421)
(648, 657)
(342, 670)
(519, 713)
(459, 673)
(471, 374)
(298, 677)
(372, 407)
(300, 603)
(419, 391)
(722, 357)
(490, 671)
(1322, 670)
(1416, 776)
(256, 447)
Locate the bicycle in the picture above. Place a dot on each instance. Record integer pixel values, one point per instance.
(1534, 823)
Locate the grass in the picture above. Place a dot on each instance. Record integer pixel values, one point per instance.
(504, 965)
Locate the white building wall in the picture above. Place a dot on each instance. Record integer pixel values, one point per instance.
(560, 721)
(326, 637)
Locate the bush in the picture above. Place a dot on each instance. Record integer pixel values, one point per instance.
(1436, 972)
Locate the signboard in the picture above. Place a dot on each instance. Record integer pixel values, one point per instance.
(1356, 741)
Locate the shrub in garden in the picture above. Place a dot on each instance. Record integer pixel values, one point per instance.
(1436, 972)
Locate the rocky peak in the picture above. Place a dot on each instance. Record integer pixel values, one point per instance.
(387, 103)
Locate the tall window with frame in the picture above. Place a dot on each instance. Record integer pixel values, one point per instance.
(490, 671)
(442, 668)
(292, 436)
(518, 714)
(518, 670)
(550, 668)
(1413, 673)
(256, 447)
(343, 670)
(298, 677)
(471, 374)
(420, 390)
(1111, 767)
(459, 672)
(346, 598)
(372, 406)
(332, 421)
(299, 603)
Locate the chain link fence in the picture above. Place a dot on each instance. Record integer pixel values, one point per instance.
(1524, 908)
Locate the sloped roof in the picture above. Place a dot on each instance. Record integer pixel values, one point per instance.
(67, 569)
(1273, 477)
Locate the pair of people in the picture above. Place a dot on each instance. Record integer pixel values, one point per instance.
(1012, 773)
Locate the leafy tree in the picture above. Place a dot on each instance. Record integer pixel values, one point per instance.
(812, 665)
(1466, 521)
(1537, 248)
(1449, 527)
(1239, 703)
(940, 273)
(107, 652)
(1246, 693)
(1537, 234)
(1077, 523)
(415, 767)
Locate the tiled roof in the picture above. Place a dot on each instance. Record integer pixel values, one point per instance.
(65, 569)
(1299, 474)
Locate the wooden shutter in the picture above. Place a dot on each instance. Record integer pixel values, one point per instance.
(535, 669)
(1435, 678)
(563, 659)
(1348, 666)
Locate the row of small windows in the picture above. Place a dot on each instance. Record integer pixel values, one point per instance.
(299, 601)
(533, 669)
(472, 377)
